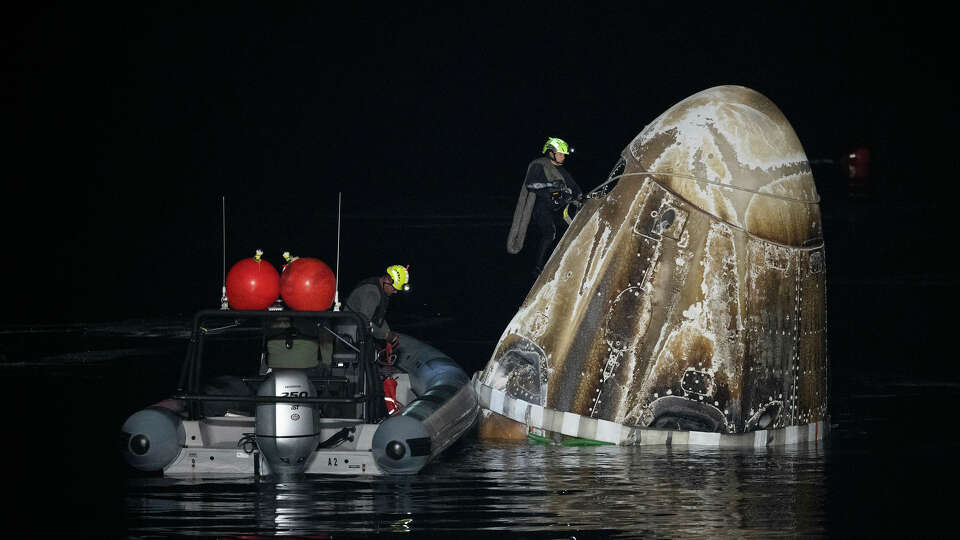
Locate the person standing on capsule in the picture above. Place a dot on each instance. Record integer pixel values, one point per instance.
(371, 297)
(548, 189)
(554, 187)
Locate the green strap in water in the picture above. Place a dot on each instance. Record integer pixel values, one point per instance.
(538, 439)
(577, 441)
(567, 441)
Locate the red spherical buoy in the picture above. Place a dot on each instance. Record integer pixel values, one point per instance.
(252, 284)
(308, 284)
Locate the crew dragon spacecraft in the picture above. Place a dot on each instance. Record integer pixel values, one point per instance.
(686, 303)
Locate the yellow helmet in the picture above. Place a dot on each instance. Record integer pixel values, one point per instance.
(400, 276)
(557, 145)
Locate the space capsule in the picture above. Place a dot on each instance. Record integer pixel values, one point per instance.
(686, 303)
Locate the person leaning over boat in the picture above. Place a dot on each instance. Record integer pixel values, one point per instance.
(371, 298)
(550, 188)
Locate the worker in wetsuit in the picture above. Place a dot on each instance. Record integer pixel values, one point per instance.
(371, 297)
(554, 188)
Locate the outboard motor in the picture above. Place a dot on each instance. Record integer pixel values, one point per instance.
(287, 433)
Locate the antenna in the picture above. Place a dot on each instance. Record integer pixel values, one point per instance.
(336, 275)
(224, 304)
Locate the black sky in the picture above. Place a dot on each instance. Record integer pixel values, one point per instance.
(126, 124)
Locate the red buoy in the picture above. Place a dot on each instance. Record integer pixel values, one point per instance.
(307, 284)
(252, 284)
(858, 163)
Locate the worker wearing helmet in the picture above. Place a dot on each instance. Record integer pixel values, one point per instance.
(371, 297)
(548, 189)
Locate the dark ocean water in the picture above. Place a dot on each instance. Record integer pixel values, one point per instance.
(888, 465)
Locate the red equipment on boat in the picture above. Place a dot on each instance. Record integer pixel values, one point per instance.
(252, 284)
(390, 396)
(307, 284)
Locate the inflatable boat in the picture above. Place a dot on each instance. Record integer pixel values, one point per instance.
(281, 393)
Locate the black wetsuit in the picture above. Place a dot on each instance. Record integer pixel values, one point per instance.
(554, 188)
(369, 299)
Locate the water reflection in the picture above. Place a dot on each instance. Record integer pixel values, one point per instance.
(479, 486)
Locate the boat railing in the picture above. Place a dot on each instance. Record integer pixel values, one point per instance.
(269, 399)
(356, 338)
